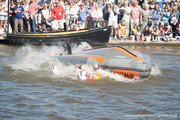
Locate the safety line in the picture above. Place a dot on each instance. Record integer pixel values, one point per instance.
(164, 89)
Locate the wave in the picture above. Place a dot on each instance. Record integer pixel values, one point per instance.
(38, 61)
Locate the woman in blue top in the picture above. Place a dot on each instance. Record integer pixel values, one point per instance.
(82, 15)
(174, 16)
(165, 16)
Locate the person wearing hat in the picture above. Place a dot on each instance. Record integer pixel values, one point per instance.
(19, 11)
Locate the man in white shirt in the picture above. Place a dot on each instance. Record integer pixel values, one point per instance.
(113, 20)
(69, 13)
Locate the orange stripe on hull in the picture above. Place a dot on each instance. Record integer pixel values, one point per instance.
(138, 58)
(126, 73)
(98, 58)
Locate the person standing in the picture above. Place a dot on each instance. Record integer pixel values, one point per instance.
(135, 14)
(69, 16)
(156, 16)
(58, 12)
(97, 15)
(19, 11)
(127, 16)
(25, 4)
(174, 16)
(33, 9)
(165, 14)
(39, 18)
(11, 14)
(89, 18)
(3, 13)
(121, 12)
(106, 12)
(113, 20)
(146, 14)
(82, 15)
(45, 17)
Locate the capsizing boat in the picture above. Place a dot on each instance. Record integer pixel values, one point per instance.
(115, 59)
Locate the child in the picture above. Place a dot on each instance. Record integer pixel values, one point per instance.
(99, 25)
(54, 24)
(167, 33)
(135, 31)
(74, 27)
(154, 33)
(79, 26)
(122, 30)
(146, 33)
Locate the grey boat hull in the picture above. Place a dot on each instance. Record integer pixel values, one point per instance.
(115, 59)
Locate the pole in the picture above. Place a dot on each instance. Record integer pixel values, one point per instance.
(8, 19)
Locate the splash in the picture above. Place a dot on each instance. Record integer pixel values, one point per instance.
(29, 58)
(63, 71)
(155, 71)
(116, 77)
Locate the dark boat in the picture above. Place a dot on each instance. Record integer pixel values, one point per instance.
(94, 37)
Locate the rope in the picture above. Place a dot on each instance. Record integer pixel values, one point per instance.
(164, 89)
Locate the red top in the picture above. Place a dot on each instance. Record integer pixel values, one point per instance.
(58, 11)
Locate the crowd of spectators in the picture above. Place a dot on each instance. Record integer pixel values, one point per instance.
(143, 19)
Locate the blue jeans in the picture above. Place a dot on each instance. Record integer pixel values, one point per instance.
(33, 24)
(154, 23)
(95, 23)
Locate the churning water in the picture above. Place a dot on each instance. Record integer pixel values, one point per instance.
(29, 89)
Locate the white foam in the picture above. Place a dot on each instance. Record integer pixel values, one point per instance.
(29, 58)
(155, 71)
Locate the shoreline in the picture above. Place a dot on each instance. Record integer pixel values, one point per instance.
(144, 43)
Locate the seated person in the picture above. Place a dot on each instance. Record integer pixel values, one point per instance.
(122, 30)
(146, 33)
(135, 31)
(54, 24)
(161, 32)
(154, 33)
(167, 33)
(99, 24)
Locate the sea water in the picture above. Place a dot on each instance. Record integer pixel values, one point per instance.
(30, 90)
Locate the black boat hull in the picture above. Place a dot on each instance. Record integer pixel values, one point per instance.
(94, 37)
